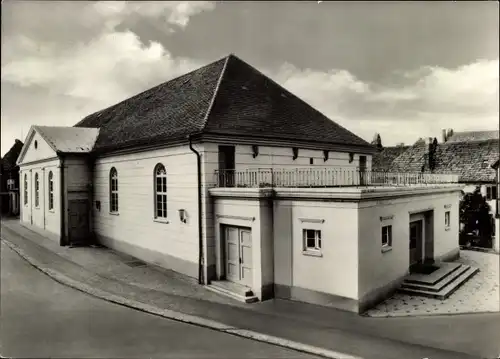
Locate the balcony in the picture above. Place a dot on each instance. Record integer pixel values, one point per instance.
(325, 177)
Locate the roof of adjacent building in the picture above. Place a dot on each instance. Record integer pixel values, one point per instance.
(471, 160)
(69, 139)
(8, 162)
(470, 136)
(382, 160)
(227, 97)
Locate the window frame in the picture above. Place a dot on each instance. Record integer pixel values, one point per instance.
(488, 193)
(388, 235)
(25, 189)
(160, 189)
(317, 249)
(51, 191)
(113, 191)
(447, 219)
(37, 190)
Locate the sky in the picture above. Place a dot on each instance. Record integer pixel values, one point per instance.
(402, 69)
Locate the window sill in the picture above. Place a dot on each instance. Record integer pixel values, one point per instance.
(386, 249)
(447, 228)
(312, 253)
(161, 220)
(52, 211)
(114, 213)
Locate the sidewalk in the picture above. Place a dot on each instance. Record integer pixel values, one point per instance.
(120, 278)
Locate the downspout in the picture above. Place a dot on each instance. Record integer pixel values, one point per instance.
(62, 197)
(43, 207)
(200, 222)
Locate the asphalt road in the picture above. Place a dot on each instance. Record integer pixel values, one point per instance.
(42, 318)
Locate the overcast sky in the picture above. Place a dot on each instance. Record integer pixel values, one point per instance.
(405, 70)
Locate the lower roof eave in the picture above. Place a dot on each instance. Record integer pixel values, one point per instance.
(355, 194)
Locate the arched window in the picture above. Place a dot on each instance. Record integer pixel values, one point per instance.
(37, 190)
(160, 191)
(113, 191)
(51, 190)
(25, 189)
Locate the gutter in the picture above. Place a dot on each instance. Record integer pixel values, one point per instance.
(200, 223)
(62, 196)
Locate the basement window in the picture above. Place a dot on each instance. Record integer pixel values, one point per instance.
(312, 241)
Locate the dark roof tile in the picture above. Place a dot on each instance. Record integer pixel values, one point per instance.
(382, 160)
(228, 97)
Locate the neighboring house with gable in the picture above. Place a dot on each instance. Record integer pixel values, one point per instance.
(467, 154)
(223, 175)
(9, 180)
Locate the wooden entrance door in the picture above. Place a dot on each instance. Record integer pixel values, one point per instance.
(78, 221)
(238, 254)
(416, 242)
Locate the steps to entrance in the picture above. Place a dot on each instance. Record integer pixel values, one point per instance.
(233, 290)
(440, 284)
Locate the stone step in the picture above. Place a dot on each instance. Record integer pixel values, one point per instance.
(233, 290)
(438, 285)
(444, 271)
(447, 290)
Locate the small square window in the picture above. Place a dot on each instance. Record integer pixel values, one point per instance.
(447, 219)
(387, 236)
(312, 240)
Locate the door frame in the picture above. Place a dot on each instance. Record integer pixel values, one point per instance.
(419, 245)
(223, 252)
(87, 203)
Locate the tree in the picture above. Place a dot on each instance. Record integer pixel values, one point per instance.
(475, 217)
(377, 141)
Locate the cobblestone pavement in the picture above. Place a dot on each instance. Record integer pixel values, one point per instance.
(479, 294)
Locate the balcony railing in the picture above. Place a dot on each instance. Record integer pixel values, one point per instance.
(325, 177)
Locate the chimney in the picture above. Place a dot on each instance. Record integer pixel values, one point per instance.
(445, 135)
(449, 134)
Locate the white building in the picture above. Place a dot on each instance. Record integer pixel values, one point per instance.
(206, 175)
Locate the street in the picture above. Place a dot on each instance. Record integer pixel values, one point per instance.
(42, 318)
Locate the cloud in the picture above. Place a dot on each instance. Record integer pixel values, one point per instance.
(102, 61)
(173, 12)
(423, 101)
(111, 67)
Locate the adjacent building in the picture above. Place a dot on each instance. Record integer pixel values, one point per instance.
(9, 181)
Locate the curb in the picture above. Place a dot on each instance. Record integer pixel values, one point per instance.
(177, 316)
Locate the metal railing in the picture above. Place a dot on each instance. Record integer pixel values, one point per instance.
(324, 177)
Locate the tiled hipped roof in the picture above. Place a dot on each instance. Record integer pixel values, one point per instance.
(227, 97)
(470, 160)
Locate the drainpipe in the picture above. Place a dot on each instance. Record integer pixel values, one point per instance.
(200, 223)
(43, 192)
(62, 197)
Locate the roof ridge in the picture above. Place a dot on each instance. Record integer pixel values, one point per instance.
(216, 91)
(149, 89)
